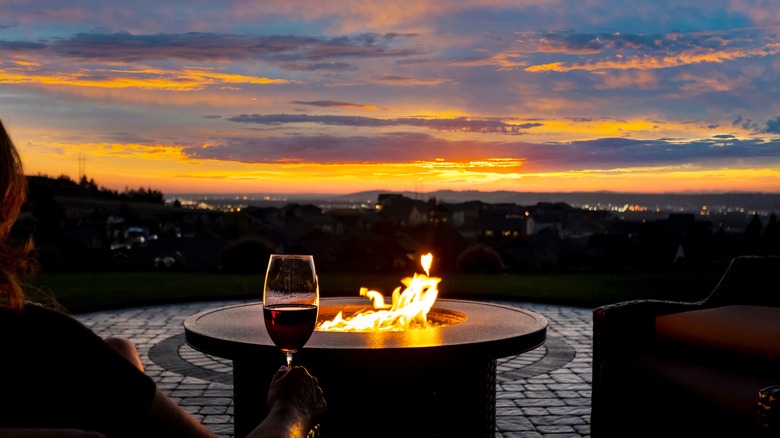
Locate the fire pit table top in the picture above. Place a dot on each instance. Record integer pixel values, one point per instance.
(470, 328)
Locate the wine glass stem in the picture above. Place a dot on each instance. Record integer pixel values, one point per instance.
(289, 360)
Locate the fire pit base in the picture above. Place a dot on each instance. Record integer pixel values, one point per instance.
(398, 401)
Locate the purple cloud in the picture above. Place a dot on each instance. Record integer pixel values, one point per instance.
(773, 126)
(319, 66)
(14, 46)
(326, 149)
(593, 43)
(202, 46)
(330, 103)
(462, 124)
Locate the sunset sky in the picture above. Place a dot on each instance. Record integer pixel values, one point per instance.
(341, 96)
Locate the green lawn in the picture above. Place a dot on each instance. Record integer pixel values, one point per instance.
(83, 292)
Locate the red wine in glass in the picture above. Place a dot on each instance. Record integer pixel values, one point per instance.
(291, 298)
(290, 325)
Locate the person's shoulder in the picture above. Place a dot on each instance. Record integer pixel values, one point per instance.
(35, 323)
(39, 321)
(40, 313)
(30, 310)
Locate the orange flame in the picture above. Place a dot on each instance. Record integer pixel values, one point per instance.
(408, 311)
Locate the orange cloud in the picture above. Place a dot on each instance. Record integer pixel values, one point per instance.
(641, 79)
(145, 78)
(658, 62)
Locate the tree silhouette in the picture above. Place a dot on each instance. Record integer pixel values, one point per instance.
(753, 229)
(772, 229)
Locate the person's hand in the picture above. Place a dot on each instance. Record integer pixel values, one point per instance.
(299, 390)
(295, 403)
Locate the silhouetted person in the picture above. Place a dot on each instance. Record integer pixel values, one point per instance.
(60, 379)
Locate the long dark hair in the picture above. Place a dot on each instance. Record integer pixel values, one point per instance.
(15, 259)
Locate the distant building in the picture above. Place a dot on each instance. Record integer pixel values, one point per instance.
(403, 211)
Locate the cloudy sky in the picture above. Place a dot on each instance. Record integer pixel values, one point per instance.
(340, 96)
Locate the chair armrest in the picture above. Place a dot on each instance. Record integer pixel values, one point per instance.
(632, 323)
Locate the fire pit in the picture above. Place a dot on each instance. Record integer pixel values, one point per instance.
(432, 382)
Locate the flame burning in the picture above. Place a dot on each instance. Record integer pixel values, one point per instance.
(408, 311)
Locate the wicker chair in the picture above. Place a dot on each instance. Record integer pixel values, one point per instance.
(705, 368)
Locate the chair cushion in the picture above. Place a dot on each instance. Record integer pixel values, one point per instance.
(752, 331)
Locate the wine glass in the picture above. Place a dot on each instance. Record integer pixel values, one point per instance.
(291, 298)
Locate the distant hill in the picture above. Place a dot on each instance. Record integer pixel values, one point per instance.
(764, 203)
(753, 201)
